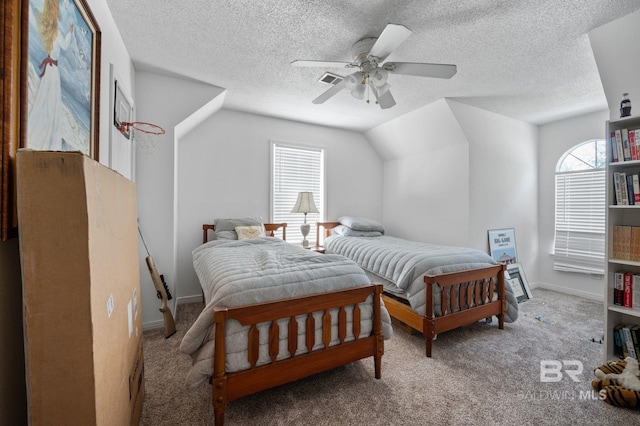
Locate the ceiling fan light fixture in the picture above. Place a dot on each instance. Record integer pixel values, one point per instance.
(352, 80)
(358, 91)
(379, 77)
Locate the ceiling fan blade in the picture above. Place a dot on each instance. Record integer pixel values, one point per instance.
(421, 69)
(321, 64)
(392, 37)
(385, 100)
(329, 93)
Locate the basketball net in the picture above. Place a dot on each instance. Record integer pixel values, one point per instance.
(145, 135)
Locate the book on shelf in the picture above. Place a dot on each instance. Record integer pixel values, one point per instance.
(618, 349)
(618, 288)
(619, 145)
(618, 297)
(626, 332)
(622, 242)
(625, 145)
(622, 190)
(636, 188)
(630, 193)
(635, 337)
(626, 289)
(634, 244)
(617, 186)
(627, 299)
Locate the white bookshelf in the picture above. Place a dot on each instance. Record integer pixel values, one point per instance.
(618, 215)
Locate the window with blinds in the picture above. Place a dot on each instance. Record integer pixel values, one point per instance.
(580, 209)
(296, 169)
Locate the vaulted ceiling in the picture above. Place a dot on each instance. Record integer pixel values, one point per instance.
(526, 59)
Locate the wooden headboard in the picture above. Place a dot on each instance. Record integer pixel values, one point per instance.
(328, 226)
(270, 228)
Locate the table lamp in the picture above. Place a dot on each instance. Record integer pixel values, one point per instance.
(305, 204)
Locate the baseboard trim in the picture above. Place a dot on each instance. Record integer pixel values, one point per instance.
(560, 289)
(151, 325)
(189, 299)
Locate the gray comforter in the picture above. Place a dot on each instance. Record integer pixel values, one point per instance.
(404, 263)
(235, 273)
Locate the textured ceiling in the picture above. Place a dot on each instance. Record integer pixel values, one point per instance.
(526, 59)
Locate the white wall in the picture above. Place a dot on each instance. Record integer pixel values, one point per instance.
(616, 48)
(114, 56)
(502, 179)
(426, 178)
(168, 102)
(224, 171)
(555, 139)
(454, 171)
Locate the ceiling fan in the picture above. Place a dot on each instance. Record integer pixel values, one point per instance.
(368, 57)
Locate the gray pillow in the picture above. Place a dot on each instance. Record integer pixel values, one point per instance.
(361, 224)
(226, 228)
(349, 232)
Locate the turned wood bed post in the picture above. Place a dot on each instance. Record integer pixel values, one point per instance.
(219, 376)
(377, 321)
(502, 298)
(205, 229)
(328, 226)
(428, 327)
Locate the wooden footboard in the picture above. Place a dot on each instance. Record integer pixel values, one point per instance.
(465, 297)
(230, 386)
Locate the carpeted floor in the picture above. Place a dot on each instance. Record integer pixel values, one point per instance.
(478, 375)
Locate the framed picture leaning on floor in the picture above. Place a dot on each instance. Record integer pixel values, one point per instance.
(514, 275)
(502, 245)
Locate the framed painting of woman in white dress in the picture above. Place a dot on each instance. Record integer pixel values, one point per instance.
(61, 71)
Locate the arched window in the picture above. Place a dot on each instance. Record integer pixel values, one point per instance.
(580, 209)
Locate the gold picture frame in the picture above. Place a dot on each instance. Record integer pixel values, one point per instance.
(66, 59)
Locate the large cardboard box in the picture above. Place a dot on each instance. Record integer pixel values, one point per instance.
(78, 234)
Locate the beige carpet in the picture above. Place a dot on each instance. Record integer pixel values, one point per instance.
(478, 375)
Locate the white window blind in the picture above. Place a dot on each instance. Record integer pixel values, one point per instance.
(296, 169)
(580, 222)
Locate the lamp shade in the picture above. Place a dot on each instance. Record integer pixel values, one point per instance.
(379, 77)
(305, 204)
(358, 92)
(352, 80)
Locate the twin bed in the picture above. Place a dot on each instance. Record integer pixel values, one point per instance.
(275, 312)
(430, 288)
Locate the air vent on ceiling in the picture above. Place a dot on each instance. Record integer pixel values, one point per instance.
(330, 78)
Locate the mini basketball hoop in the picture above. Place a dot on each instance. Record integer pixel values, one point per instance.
(146, 135)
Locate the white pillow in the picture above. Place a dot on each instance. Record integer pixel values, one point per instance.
(249, 232)
(361, 224)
